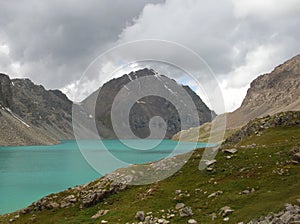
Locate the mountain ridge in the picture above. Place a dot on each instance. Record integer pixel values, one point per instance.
(268, 94)
(144, 108)
(45, 116)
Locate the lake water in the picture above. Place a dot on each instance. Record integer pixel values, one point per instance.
(28, 173)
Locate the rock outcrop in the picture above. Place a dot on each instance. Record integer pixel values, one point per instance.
(256, 126)
(31, 115)
(5, 91)
(49, 110)
(290, 214)
(271, 93)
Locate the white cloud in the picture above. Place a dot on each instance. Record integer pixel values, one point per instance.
(267, 9)
(239, 39)
(4, 49)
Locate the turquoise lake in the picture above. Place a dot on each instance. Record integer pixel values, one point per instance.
(28, 173)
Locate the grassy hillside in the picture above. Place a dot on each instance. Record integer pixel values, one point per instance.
(205, 133)
(261, 165)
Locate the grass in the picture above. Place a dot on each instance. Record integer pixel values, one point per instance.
(203, 134)
(256, 167)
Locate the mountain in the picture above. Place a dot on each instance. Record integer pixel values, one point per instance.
(50, 110)
(275, 92)
(144, 108)
(270, 93)
(31, 115)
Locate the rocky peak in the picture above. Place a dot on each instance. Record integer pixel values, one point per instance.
(145, 108)
(270, 93)
(281, 86)
(292, 65)
(6, 99)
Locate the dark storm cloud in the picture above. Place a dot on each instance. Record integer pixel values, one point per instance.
(54, 41)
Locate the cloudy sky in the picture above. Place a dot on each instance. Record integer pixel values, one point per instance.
(53, 42)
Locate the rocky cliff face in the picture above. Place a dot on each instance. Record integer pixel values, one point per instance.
(31, 115)
(5, 91)
(50, 110)
(145, 108)
(271, 93)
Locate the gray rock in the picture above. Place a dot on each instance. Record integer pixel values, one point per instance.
(192, 221)
(245, 192)
(99, 214)
(140, 215)
(179, 206)
(296, 157)
(185, 212)
(230, 151)
(215, 194)
(291, 214)
(286, 217)
(225, 211)
(210, 162)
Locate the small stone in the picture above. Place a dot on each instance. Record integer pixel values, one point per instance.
(210, 162)
(26, 210)
(296, 157)
(71, 198)
(64, 204)
(185, 212)
(104, 221)
(209, 169)
(179, 206)
(213, 216)
(140, 215)
(215, 194)
(52, 205)
(230, 151)
(226, 210)
(192, 221)
(170, 216)
(99, 214)
(226, 219)
(161, 221)
(245, 192)
(178, 192)
(286, 217)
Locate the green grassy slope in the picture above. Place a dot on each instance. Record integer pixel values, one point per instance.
(264, 166)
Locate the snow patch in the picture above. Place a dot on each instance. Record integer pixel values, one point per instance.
(140, 102)
(130, 78)
(169, 89)
(16, 117)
